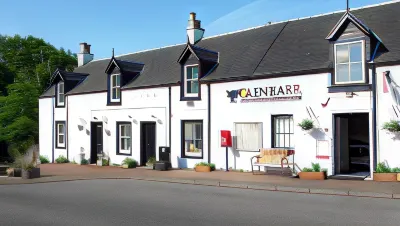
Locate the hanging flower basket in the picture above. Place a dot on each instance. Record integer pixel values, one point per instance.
(306, 125)
(392, 126)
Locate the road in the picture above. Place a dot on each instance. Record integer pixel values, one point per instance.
(130, 202)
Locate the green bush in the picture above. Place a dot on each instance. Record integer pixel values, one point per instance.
(391, 126)
(44, 159)
(383, 168)
(211, 165)
(306, 124)
(105, 161)
(305, 169)
(151, 160)
(62, 159)
(396, 170)
(84, 162)
(130, 162)
(316, 167)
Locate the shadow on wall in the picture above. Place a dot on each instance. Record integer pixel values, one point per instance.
(317, 134)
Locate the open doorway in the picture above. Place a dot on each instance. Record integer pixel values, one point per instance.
(352, 155)
(96, 137)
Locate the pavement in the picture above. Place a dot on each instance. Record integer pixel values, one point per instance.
(133, 202)
(71, 172)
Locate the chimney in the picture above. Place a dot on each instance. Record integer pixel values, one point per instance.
(194, 31)
(84, 56)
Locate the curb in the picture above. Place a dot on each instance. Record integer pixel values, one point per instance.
(215, 183)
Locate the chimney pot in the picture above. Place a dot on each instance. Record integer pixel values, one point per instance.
(192, 16)
(84, 56)
(194, 31)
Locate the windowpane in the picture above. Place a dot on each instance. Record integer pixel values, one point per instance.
(342, 73)
(286, 123)
(189, 73)
(117, 80)
(113, 80)
(195, 87)
(114, 93)
(193, 143)
(355, 52)
(189, 87)
(195, 72)
(61, 88)
(117, 93)
(283, 137)
(61, 98)
(342, 54)
(61, 128)
(60, 139)
(128, 130)
(188, 131)
(356, 72)
(122, 128)
(128, 145)
(197, 134)
(281, 126)
(291, 144)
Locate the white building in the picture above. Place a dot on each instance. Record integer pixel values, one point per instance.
(258, 83)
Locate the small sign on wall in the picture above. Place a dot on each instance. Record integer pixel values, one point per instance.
(323, 149)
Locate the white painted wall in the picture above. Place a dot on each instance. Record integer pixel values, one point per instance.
(388, 143)
(139, 104)
(314, 92)
(187, 110)
(46, 126)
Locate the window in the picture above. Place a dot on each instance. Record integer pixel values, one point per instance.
(349, 63)
(248, 136)
(60, 94)
(60, 134)
(124, 139)
(192, 139)
(283, 131)
(115, 89)
(191, 80)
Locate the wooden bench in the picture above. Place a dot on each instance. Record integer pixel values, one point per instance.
(273, 157)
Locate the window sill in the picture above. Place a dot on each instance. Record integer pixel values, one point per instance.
(124, 154)
(190, 98)
(349, 88)
(58, 147)
(113, 103)
(60, 106)
(191, 157)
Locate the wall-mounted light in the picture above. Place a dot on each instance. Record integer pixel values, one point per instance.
(105, 119)
(129, 116)
(135, 121)
(153, 116)
(94, 118)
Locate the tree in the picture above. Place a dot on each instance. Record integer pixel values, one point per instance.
(26, 66)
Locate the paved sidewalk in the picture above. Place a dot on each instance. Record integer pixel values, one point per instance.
(68, 172)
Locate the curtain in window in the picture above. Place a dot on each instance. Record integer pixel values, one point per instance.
(248, 136)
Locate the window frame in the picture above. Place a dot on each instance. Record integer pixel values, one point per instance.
(183, 140)
(185, 93)
(115, 87)
(58, 144)
(260, 138)
(118, 143)
(363, 60)
(61, 104)
(273, 131)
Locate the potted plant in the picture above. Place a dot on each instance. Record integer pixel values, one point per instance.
(314, 173)
(151, 161)
(10, 172)
(306, 124)
(397, 171)
(202, 167)
(384, 173)
(392, 126)
(129, 163)
(30, 171)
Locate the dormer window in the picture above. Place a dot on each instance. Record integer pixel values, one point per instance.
(350, 62)
(191, 80)
(115, 87)
(60, 94)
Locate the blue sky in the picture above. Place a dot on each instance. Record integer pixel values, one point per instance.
(132, 25)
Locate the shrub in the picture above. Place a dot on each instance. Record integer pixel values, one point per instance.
(211, 165)
(84, 162)
(44, 159)
(391, 126)
(151, 160)
(105, 161)
(382, 168)
(305, 169)
(62, 159)
(396, 170)
(316, 167)
(130, 162)
(306, 124)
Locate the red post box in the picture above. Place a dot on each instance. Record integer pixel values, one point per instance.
(226, 138)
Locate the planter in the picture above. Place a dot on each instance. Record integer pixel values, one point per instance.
(17, 172)
(398, 177)
(202, 169)
(125, 166)
(312, 175)
(385, 177)
(30, 174)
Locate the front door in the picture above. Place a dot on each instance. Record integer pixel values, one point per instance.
(148, 142)
(342, 158)
(96, 141)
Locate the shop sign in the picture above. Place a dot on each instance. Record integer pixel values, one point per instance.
(265, 94)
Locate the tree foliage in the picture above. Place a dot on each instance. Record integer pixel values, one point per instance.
(26, 66)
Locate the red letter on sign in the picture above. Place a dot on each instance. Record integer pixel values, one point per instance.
(296, 89)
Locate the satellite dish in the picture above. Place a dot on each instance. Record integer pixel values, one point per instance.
(105, 119)
(83, 122)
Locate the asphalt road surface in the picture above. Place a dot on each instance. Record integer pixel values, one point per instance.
(129, 202)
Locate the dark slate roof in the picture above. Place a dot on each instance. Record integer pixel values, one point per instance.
(205, 54)
(286, 47)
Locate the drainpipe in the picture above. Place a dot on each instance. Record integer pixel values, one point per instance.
(209, 122)
(52, 129)
(374, 133)
(66, 126)
(374, 97)
(169, 118)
